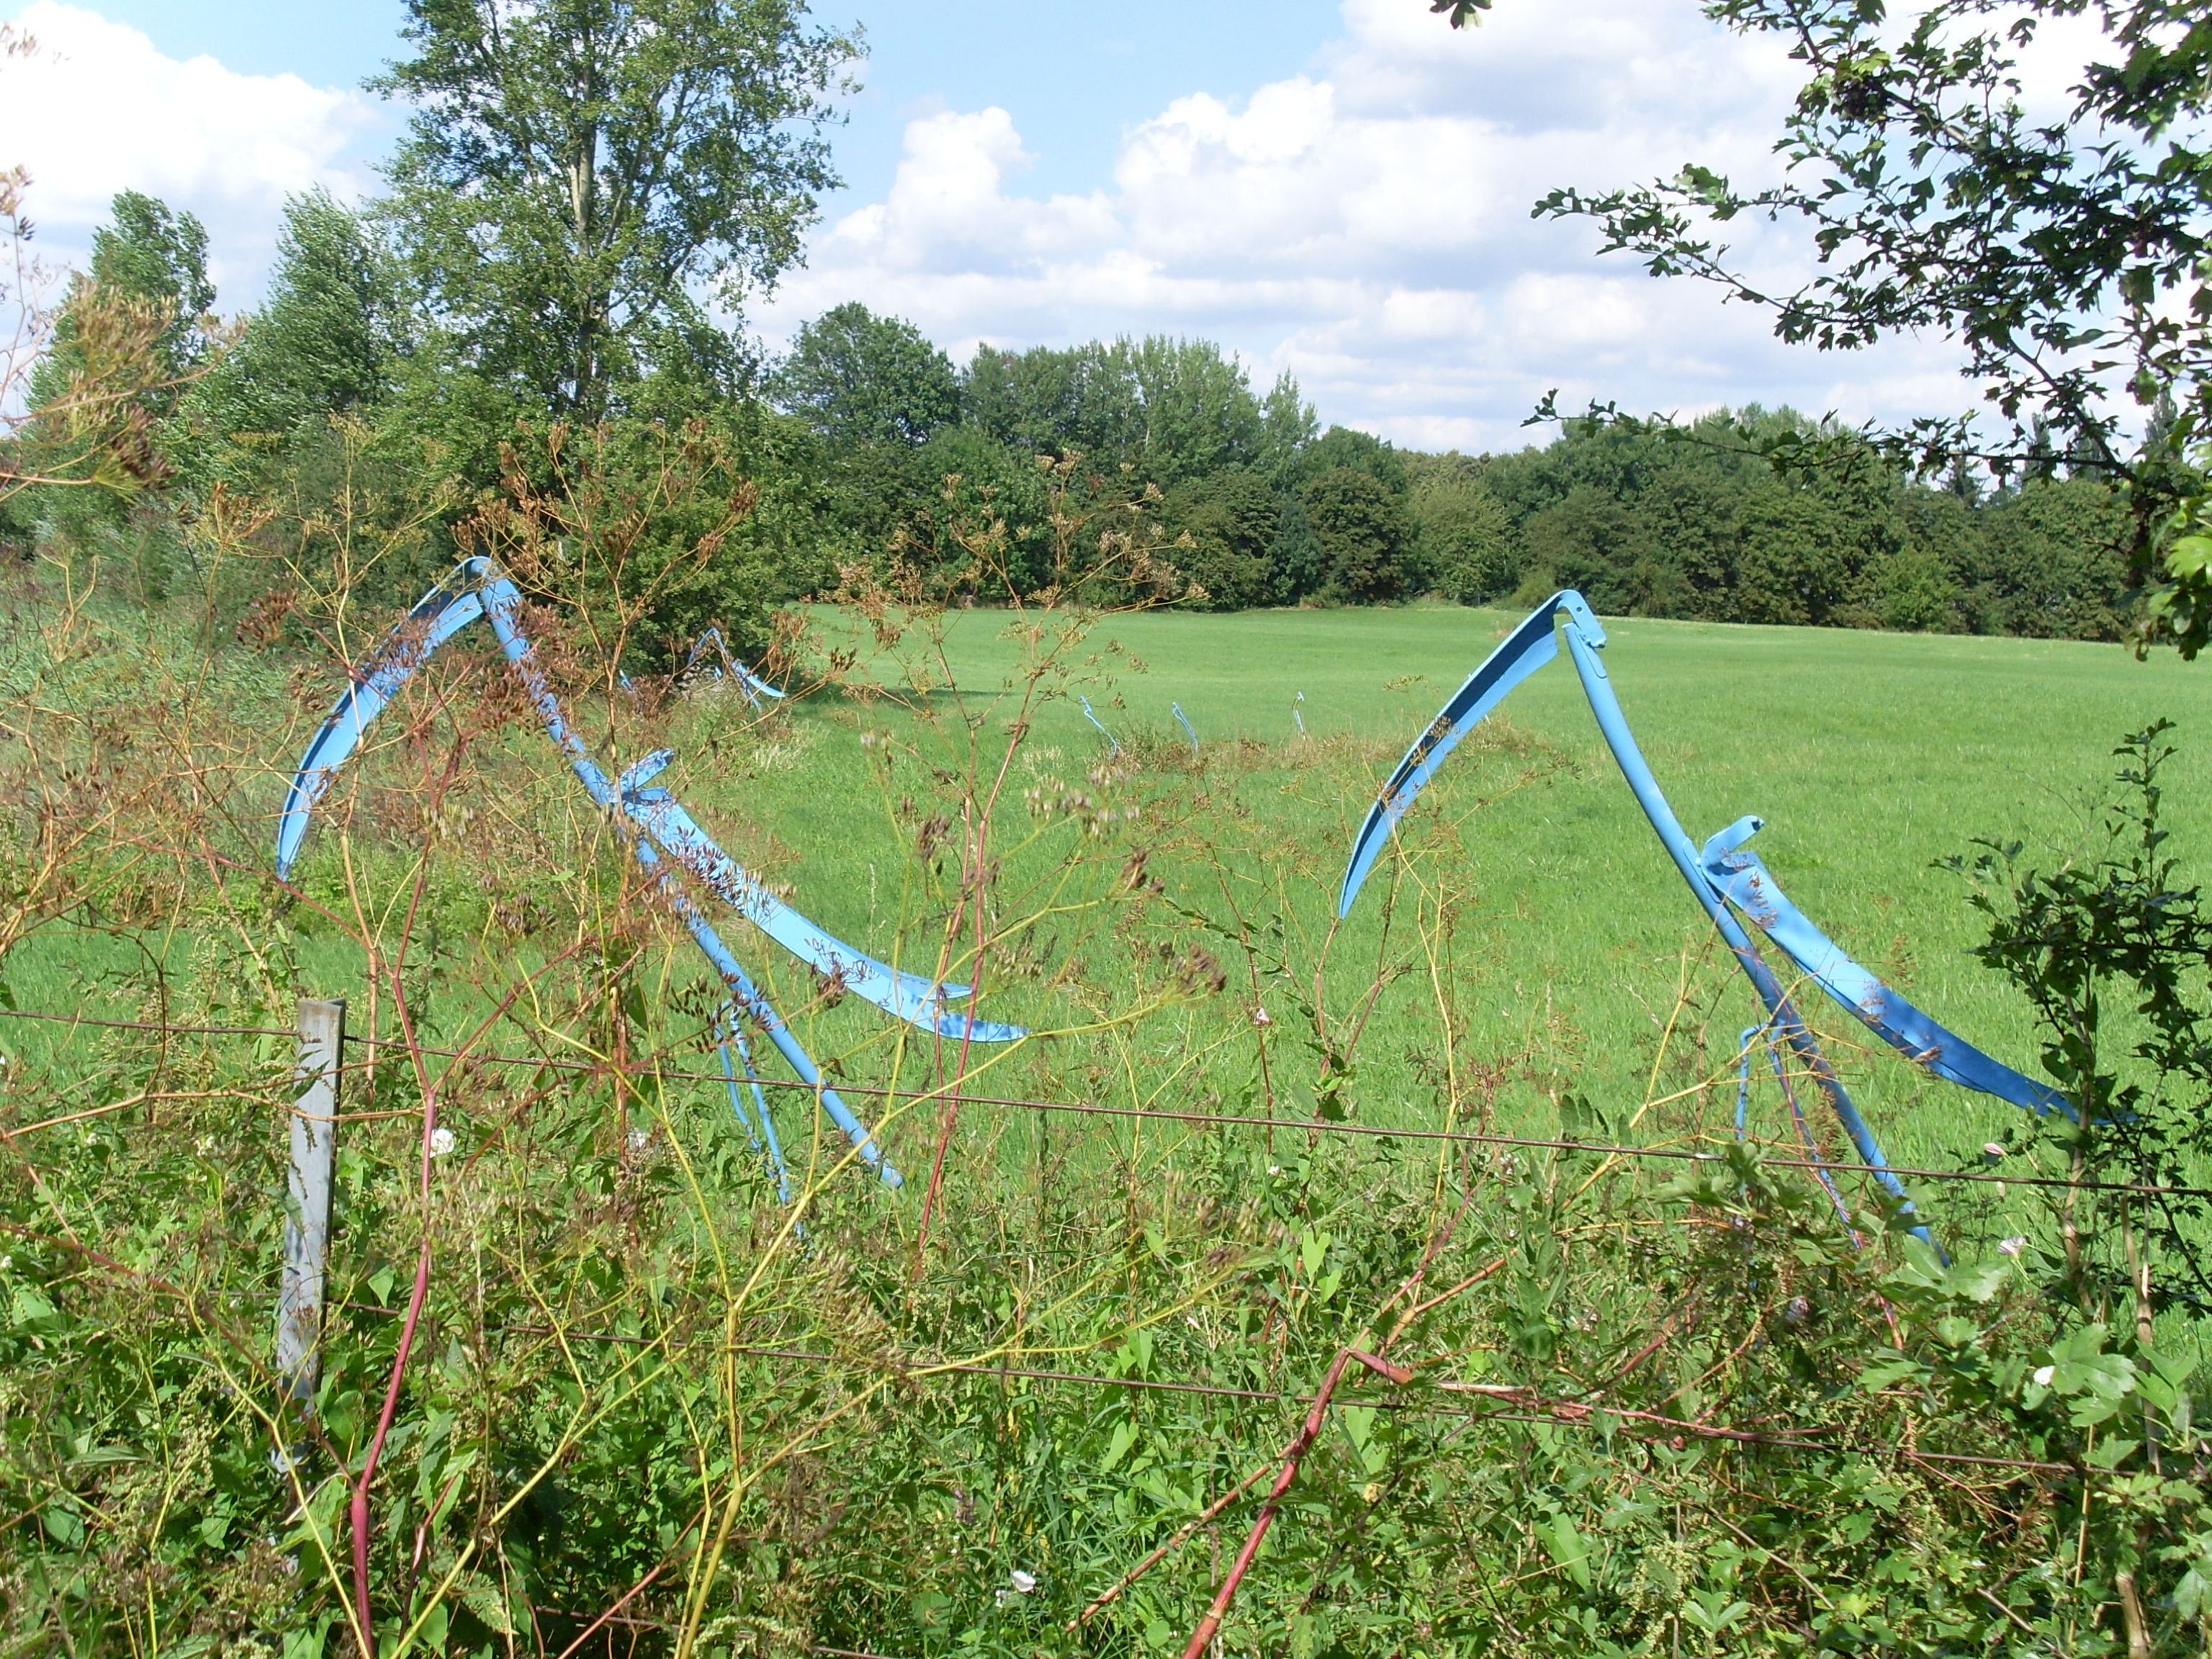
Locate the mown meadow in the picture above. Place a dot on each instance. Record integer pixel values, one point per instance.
(588, 1385)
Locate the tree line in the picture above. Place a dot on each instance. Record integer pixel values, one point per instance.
(855, 433)
(525, 314)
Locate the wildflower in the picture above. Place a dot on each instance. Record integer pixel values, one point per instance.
(1260, 1016)
(1992, 1150)
(1023, 1581)
(1274, 1169)
(2011, 1246)
(441, 1141)
(640, 1140)
(2044, 1374)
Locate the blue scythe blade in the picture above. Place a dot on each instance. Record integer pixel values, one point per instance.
(503, 608)
(750, 683)
(1747, 884)
(1585, 639)
(909, 996)
(441, 614)
(691, 673)
(1185, 721)
(1525, 650)
(1723, 881)
(753, 682)
(730, 1033)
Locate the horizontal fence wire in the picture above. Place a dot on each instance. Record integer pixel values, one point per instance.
(150, 1026)
(951, 1093)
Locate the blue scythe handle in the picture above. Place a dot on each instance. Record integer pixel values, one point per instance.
(712, 645)
(1728, 883)
(1102, 732)
(656, 829)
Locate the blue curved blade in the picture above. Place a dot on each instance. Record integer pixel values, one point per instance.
(502, 605)
(727, 1029)
(911, 997)
(1747, 884)
(1524, 651)
(441, 614)
(752, 684)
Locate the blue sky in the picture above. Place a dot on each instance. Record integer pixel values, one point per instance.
(1335, 188)
(1071, 75)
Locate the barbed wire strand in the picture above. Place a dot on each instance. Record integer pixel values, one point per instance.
(1316, 1125)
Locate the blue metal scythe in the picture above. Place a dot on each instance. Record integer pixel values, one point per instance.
(658, 832)
(1101, 725)
(1728, 882)
(716, 653)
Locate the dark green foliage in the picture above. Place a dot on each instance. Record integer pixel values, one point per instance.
(860, 380)
(2063, 250)
(133, 333)
(872, 392)
(1362, 531)
(1689, 522)
(2052, 565)
(1233, 519)
(152, 255)
(1590, 541)
(1346, 447)
(1464, 544)
(575, 170)
(2111, 949)
(1177, 411)
(326, 341)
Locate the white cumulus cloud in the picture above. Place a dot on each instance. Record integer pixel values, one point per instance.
(97, 109)
(1367, 227)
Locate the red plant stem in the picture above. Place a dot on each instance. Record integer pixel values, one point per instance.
(359, 1509)
(1293, 1455)
(361, 1521)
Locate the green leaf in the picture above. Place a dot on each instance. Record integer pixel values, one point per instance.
(1117, 1447)
(1567, 1547)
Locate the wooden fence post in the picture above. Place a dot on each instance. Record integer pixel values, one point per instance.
(307, 1210)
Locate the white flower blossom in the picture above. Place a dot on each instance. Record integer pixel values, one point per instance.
(2044, 1374)
(1023, 1581)
(2011, 1246)
(441, 1141)
(1260, 1016)
(1991, 1150)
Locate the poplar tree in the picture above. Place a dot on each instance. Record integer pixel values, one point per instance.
(581, 179)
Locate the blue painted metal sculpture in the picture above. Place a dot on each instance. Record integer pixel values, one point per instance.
(1184, 721)
(1101, 725)
(658, 832)
(1731, 884)
(717, 661)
